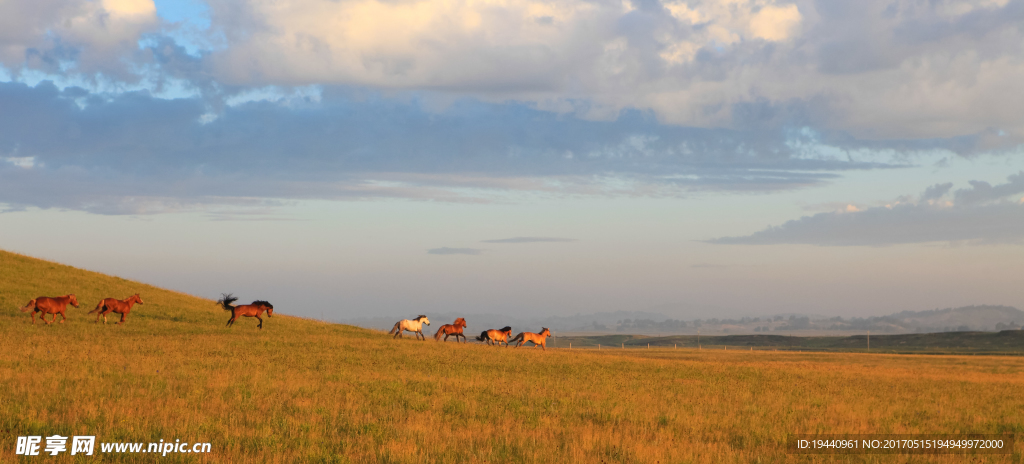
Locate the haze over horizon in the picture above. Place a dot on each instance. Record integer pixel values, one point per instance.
(361, 157)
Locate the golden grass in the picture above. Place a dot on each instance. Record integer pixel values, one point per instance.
(305, 391)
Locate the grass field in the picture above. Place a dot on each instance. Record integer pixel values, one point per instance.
(306, 391)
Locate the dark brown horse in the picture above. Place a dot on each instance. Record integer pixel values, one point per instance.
(122, 307)
(540, 339)
(495, 336)
(250, 310)
(47, 305)
(453, 329)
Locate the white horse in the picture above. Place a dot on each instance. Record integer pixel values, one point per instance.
(413, 325)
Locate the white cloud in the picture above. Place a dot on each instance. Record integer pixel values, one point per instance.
(74, 35)
(26, 162)
(775, 22)
(877, 70)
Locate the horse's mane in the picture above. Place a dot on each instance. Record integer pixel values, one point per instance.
(459, 321)
(226, 300)
(420, 317)
(263, 303)
(506, 329)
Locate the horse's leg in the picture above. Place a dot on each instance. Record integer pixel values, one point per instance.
(422, 337)
(261, 322)
(62, 317)
(123, 316)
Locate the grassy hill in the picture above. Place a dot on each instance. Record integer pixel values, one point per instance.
(305, 391)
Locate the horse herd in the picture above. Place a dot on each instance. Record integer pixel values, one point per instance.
(491, 337)
(58, 305)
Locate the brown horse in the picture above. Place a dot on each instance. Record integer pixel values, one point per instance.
(540, 339)
(46, 305)
(453, 329)
(250, 310)
(122, 307)
(495, 336)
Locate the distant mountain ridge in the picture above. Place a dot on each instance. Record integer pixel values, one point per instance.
(975, 317)
(962, 319)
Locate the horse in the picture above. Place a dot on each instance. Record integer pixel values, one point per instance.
(414, 325)
(493, 335)
(452, 329)
(250, 310)
(122, 307)
(540, 339)
(47, 305)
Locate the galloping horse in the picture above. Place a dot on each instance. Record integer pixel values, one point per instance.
(46, 305)
(492, 336)
(454, 329)
(250, 310)
(122, 307)
(414, 325)
(540, 339)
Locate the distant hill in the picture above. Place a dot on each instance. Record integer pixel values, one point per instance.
(1003, 342)
(967, 318)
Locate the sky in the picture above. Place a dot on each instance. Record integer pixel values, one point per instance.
(361, 158)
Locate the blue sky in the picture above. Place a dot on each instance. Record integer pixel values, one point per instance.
(363, 158)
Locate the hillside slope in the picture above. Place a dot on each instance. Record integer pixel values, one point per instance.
(305, 391)
(23, 278)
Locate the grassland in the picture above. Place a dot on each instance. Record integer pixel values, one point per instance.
(305, 391)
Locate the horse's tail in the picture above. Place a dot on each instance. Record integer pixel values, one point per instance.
(517, 337)
(437, 336)
(395, 329)
(482, 337)
(226, 300)
(99, 307)
(30, 306)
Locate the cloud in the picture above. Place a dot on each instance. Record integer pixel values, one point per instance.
(75, 36)
(529, 240)
(170, 154)
(981, 214)
(982, 192)
(936, 191)
(454, 251)
(695, 63)
(762, 65)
